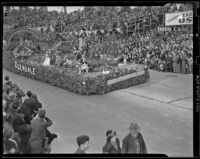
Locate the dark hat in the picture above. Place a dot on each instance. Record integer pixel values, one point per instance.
(82, 139)
(6, 78)
(9, 83)
(41, 113)
(134, 127)
(29, 93)
(108, 133)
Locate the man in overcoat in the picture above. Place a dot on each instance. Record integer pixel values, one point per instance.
(39, 126)
(28, 108)
(134, 142)
(20, 126)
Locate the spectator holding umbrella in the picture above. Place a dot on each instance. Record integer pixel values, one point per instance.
(134, 142)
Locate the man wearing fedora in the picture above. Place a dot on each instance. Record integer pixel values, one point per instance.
(28, 108)
(134, 142)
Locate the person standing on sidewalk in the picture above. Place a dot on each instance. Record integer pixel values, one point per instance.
(112, 145)
(39, 126)
(134, 142)
(83, 144)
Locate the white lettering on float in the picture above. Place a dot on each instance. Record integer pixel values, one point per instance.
(125, 77)
(24, 68)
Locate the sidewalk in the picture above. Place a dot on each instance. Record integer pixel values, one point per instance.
(170, 88)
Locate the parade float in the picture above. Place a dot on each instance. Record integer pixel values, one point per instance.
(27, 58)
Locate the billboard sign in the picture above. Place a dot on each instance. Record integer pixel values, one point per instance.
(180, 18)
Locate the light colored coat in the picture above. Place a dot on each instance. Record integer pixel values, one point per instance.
(38, 135)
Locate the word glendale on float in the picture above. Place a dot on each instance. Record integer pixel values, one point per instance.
(25, 68)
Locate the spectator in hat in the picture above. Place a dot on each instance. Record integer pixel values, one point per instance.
(19, 93)
(134, 142)
(37, 105)
(83, 144)
(20, 126)
(50, 136)
(9, 96)
(6, 79)
(28, 107)
(39, 125)
(112, 145)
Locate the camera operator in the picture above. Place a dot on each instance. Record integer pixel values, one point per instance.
(39, 126)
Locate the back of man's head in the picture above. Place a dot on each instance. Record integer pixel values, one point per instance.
(82, 139)
(6, 78)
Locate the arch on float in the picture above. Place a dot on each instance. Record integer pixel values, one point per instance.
(23, 30)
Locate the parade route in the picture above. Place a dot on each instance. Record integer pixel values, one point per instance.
(162, 107)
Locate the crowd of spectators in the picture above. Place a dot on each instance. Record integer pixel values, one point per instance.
(24, 122)
(171, 53)
(102, 31)
(25, 127)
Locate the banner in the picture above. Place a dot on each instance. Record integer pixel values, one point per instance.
(181, 18)
(25, 68)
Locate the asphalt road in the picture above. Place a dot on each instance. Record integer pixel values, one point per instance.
(162, 108)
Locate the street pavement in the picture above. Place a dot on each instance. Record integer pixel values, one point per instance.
(162, 107)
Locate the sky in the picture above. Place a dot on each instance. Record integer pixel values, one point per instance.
(69, 9)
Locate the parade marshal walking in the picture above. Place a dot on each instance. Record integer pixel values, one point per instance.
(134, 142)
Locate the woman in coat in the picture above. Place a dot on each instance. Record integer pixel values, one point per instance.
(112, 145)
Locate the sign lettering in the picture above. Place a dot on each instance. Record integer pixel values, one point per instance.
(180, 18)
(25, 68)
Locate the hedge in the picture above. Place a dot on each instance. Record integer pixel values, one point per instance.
(70, 80)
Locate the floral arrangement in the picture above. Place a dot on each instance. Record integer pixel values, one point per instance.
(70, 80)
